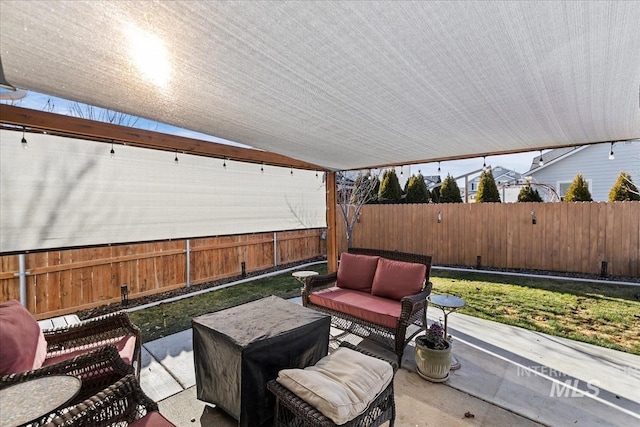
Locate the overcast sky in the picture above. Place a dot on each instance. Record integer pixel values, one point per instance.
(518, 162)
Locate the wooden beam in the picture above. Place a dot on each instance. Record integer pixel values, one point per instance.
(332, 237)
(75, 127)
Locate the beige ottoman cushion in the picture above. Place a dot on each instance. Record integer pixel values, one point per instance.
(340, 385)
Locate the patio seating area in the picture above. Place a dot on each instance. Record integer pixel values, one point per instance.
(509, 376)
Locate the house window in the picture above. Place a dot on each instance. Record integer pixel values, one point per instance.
(563, 186)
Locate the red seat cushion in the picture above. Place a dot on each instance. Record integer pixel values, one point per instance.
(381, 311)
(126, 346)
(152, 419)
(356, 271)
(397, 279)
(22, 344)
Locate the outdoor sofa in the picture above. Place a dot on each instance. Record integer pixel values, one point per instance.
(375, 294)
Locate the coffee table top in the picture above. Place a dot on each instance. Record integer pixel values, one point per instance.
(29, 400)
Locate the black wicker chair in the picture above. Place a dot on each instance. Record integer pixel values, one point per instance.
(121, 404)
(292, 411)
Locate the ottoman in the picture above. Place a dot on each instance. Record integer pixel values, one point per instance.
(238, 350)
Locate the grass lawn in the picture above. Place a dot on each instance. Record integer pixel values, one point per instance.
(605, 315)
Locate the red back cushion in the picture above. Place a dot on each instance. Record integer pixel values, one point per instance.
(356, 271)
(397, 279)
(19, 338)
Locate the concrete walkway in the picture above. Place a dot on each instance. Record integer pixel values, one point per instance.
(509, 376)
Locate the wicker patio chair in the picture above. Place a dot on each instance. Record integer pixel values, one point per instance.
(96, 369)
(121, 404)
(111, 329)
(412, 318)
(291, 411)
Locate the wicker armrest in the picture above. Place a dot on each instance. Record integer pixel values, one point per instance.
(104, 329)
(313, 283)
(97, 369)
(118, 404)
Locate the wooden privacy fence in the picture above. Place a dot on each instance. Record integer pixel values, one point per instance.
(61, 282)
(565, 237)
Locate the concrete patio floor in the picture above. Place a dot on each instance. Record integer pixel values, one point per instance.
(509, 376)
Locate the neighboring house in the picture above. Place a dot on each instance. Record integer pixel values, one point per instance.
(506, 180)
(561, 166)
(432, 181)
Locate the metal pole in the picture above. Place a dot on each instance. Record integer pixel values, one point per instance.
(188, 261)
(275, 249)
(22, 274)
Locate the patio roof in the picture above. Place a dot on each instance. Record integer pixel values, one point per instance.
(343, 85)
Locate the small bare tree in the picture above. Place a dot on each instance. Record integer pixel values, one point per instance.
(353, 194)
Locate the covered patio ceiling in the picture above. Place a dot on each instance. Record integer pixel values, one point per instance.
(343, 85)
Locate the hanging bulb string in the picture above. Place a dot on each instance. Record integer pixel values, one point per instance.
(24, 140)
(112, 153)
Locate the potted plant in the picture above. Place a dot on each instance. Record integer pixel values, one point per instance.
(433, 354)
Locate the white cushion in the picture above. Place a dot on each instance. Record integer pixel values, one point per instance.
(340, 385)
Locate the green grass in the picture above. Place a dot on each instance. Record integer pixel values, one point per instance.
(600, 314)
(169, 318)
(596, 313)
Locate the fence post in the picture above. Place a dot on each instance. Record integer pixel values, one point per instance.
(22, 275)
(188, 262)
(275, 249)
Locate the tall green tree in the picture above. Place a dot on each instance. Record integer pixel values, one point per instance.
(416, 189)
(578, 191)
(390, 190)
(624, 189)
(528, 194)
(449, 191)
(487, 189)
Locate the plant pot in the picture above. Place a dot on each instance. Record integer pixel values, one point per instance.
(433, 365)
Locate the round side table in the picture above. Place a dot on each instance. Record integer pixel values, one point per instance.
(301, 276)
(448, 304)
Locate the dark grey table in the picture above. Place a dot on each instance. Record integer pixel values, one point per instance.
(238, 350)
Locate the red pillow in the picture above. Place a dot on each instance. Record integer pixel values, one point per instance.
(397, 279)
(19, 338)
(356, 271)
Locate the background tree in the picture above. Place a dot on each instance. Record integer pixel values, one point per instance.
(416, 189)
(578, 191)
(435, 195)
(624, 189)
(352, 195)
(390, 190)
(487, 189)
(449, 191)
(528, 194)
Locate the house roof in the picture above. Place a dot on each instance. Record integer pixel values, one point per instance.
(550, 156)
(343, 85)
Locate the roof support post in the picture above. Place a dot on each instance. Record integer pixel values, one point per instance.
(332, 237)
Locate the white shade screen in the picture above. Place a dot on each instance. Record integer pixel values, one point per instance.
(62, 192)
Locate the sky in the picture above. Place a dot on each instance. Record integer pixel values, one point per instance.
(519, 162)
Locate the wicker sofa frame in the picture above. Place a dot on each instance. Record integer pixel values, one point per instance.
(119, 404)
(99, 331)
(412, 318)
(291, 411)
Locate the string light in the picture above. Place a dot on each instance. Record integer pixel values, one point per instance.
(541, 161)
(401, 172)
(112, 153)
(484, 163)
(316, 174)
(24, 142)
(611, 156)
(291, 170)
(176, 159)
(224, 163)
(438, 168)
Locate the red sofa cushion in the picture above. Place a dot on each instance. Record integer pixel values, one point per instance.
(22, 344)
(363, 305)
(356, 271)
(397, 279)
(126, 346)
(152, 419)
